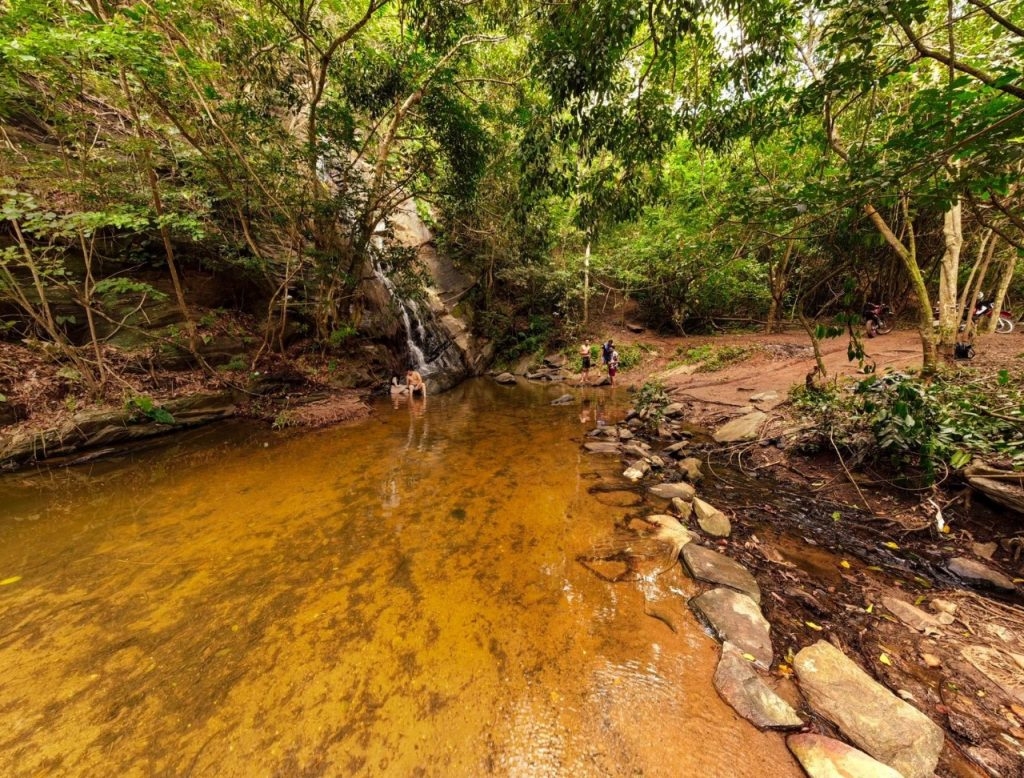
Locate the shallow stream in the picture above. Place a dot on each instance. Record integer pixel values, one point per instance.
(397, 596)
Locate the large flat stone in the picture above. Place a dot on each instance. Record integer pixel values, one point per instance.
(977, 573)
(739, 685)
(868, 714)
(681, 490)
(707, 565)
(735, 617)
(746, 427)
(823, 757)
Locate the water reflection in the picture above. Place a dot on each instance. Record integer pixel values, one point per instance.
(393, 597)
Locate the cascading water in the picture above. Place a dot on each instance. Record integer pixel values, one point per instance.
(432, 352)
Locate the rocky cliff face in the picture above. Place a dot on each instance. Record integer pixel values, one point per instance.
(437, 343)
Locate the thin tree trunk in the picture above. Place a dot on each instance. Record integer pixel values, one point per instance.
(929, 354)
(1005, 279)
(949, 271)
(586, 284)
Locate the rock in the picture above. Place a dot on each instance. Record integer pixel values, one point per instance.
(565, 399)
(656, 461)
(555, 360)
(736, 618)
(673, 410)
(745, 427)
(913, 617)
(868, 714)
(930, 660)
(823, 757)
(625, 434)
(505, 378)
(681, 490)
(739, 685)
(712, 567)
(764, 397)
(943, 606)
(711, 520)
(601, 447)
(637, 449)
(690, 468)
(635, 328)
(677, 448)
(637, 470)
(682, 507)
(985, 550)
(977, 573)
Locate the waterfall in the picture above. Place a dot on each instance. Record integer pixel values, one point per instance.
(432, 351)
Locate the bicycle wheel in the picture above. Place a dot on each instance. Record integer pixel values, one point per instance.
(1004, 325)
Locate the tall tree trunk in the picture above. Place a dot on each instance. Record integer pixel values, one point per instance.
(1005, 278)
(586, 284)
(908, 254)
(949, 271)
(778, 277)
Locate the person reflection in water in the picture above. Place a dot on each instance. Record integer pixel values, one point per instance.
(585, 412)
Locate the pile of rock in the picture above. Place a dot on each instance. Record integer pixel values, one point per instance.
(887, 736)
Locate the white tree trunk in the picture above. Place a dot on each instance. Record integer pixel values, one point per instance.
(949, 269)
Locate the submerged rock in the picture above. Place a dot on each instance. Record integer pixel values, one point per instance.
(871, 716)
(505, 378)
(823, 757)
(736, 617)
(739, 685)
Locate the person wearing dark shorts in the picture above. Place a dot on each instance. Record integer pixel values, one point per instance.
(584, 362)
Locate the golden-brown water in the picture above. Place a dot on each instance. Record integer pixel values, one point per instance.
(394, 597)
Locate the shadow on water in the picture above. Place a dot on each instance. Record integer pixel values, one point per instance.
(397, 596)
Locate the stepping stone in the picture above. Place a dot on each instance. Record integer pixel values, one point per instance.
(637, 470)
(736, 617)
(744, 428)
(505, 378)
(977, 573)
(712, 567)
(681, 490)
(868, 714)
(711, 520)
(690, 468)
(682, 507)
(672, 410)
(601, 447)
(823, 757)
(739, 685)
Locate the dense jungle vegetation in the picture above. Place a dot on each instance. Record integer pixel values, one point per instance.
(722, 161)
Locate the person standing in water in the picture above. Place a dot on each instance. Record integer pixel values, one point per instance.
(584, 362)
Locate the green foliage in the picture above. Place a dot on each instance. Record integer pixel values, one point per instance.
(649, 402)
(339, 335)
(149, 409)
(902, 421)
(710, 357)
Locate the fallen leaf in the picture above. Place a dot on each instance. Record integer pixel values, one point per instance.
(750, 657)
(884, 659)
(870, 608)
(812, 625)
(890, 544)
(844, 564)
(12, 579)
